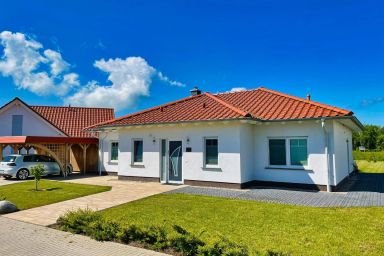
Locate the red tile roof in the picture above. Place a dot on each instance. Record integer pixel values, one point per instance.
(259, 104)
(73, 120)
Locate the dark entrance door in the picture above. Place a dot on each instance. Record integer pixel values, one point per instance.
(175, 161)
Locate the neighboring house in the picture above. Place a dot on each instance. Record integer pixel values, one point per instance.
(239, 139)
(55, 131)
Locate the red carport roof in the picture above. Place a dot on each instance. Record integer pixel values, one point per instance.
(43, 139)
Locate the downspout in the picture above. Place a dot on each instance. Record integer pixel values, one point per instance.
(326, 149)
(101, 152)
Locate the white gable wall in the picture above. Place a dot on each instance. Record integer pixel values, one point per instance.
(33, 125)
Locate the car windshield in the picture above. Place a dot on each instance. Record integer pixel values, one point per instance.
(9, 159)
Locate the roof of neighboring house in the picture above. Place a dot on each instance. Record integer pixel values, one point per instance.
(259, 104)
(70, 120)
(73, 120)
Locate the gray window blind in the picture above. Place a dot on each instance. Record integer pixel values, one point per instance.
(17, 125)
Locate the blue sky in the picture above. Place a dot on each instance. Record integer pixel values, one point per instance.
(333, 50)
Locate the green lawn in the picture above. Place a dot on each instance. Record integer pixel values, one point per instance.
(263, 226)
(370, 167)
(25, 197)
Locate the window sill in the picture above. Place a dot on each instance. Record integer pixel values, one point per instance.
(289, 168)
(137, 166)
(113, 162)
(212, 168)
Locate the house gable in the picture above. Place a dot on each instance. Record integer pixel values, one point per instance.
(32, 123)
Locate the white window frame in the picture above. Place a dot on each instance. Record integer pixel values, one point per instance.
(133, 151)
(110, 151)
(287, 152)
(208, 166)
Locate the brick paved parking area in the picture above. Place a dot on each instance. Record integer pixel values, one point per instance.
(25, 239)
(362, 190)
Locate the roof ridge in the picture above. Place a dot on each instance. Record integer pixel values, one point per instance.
(228, 105)
(145, 110)
(45, 106)
(246, 90)
(346, 112)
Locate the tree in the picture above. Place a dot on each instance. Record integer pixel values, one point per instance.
(37, 171)
(368, 137)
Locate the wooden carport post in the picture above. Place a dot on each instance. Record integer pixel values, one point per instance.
(1, 151)
(84, 147)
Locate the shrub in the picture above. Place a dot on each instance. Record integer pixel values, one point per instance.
(103, 230)
(185, 242)
(371, 156)
(274, 253)
(223, 247)
(153, 237)
(131, 234)
(78, 221)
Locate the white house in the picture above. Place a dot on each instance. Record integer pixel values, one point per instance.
(238, 139)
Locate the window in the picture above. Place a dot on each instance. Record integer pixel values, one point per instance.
(114, 151)
(299, 154)
(288, 152)
(137, 151)
(211, 151)
(277, 152)
(17, 125)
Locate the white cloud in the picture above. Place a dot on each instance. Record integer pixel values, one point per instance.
(130, 78)
(45, 72)
(238, 89)
(171, 82)
(40, 73)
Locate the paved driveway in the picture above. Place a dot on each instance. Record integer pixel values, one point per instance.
(363, 190)
(7, 182)
(121, 192)
(25, 239)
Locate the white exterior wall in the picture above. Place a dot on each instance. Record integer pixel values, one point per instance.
(342, 154)
(33, 125)
(243, 151)
(105, 140)
(228, 144)
(316, 171)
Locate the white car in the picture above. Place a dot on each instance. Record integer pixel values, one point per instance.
(19, 166)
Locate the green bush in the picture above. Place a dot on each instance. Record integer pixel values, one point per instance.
(131, 234)
(180, 240)
(103, 230)
(78, 221)
(223, 247)
(185, 242)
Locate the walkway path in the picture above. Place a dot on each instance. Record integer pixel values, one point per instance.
(122, 192)
(20, 238)
(363, 190)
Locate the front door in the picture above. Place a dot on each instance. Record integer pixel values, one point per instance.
(175, 161)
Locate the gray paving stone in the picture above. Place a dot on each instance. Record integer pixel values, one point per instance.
(25, 239)
(363, 190)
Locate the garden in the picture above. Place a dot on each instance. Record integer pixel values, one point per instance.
(182, 224)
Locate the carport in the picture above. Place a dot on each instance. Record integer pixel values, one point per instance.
(81, 153)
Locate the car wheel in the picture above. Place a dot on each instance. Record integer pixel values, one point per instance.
(22, 174)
